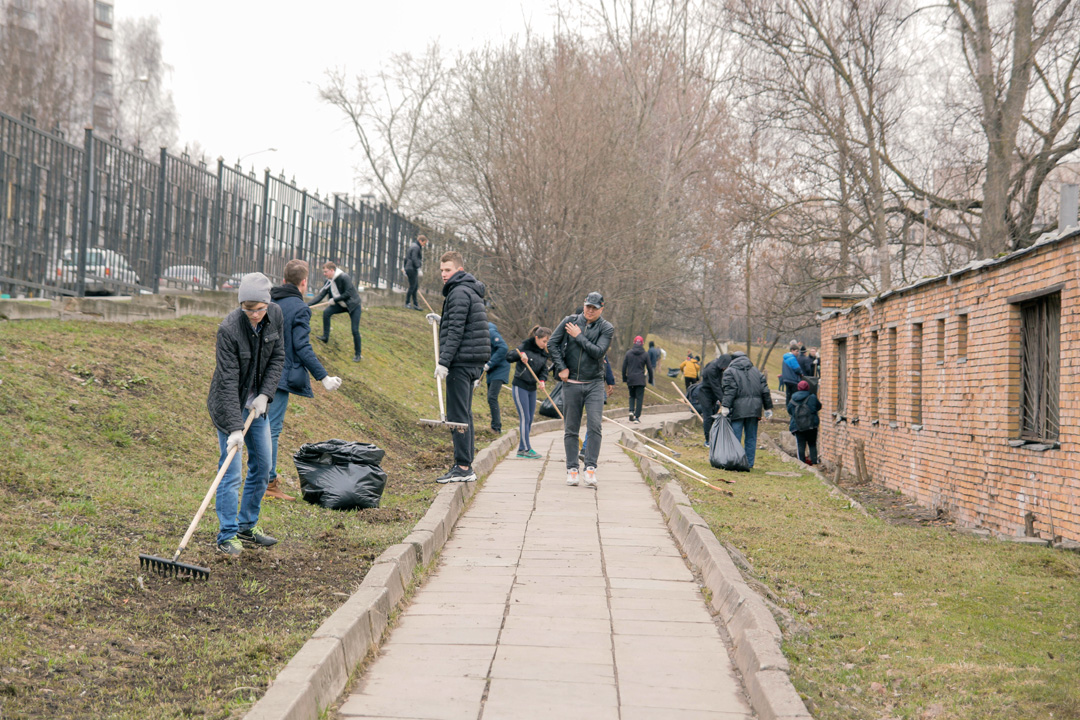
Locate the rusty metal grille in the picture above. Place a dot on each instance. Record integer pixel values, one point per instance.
(1040, 367)
(841, 377)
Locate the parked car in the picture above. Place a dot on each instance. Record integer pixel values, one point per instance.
(192, 277)
(107, 272)
(233, 283)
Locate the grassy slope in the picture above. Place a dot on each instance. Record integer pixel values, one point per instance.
(896, 621)
(107, 451)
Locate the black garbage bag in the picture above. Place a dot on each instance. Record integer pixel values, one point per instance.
(673, 372)
(546, 408)
(340, 475)
(725, 450)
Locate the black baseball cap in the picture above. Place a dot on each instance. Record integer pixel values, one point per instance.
(595, 299)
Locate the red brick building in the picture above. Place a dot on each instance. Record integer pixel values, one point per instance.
(965, 389)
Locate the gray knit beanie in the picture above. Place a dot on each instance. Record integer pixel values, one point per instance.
(254, 287)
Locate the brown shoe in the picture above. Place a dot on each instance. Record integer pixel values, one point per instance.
(273, 490)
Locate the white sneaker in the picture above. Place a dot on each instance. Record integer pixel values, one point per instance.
(590, 477)
(571, 477)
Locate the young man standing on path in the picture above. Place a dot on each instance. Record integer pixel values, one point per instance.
(250, 358)
(299, 360)
(746, 393)
(464, 349)
(636, 370)
(577, 349)
(339, 286)
(498, 374)
(414, 260)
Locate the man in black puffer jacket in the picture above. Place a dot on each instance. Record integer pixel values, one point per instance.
(464, 348)
(414, 260)
(746, 394)
(711, 390)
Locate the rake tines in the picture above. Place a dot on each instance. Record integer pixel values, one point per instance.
(172, 568)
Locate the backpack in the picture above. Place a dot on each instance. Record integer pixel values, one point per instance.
(804, 418)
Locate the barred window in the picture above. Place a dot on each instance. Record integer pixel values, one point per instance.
(1040, 365)
(841, 378)
(916, 370)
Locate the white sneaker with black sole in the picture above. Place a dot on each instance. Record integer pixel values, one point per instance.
(590, 477)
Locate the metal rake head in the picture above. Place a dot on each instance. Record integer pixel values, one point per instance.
(172, 568)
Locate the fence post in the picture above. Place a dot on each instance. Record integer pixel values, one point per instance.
(303, 224)
(159, 222)
(334, 235)
(380, 255)
(215, 226)
(84, 208)
(265, 229)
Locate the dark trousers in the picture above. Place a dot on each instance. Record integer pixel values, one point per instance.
(803, 438)
(333, 309)
(637, 397)
(494, 387)
(414, 284)
(707, 405)
(459, 392)
(689, 382)
(789, 390)
(587, 397)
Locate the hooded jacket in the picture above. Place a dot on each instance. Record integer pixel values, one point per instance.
(464, 337)
(712, 381)
(800, 397)
(792, 371)
(248, 362)
(746, 392)
(346, 291)
(583, 355)
(498, 364)
(690, 368)
(299, 356)
(636, 368)
(538, 361)
(414, 256)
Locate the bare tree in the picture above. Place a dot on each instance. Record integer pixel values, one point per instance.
(143, 106)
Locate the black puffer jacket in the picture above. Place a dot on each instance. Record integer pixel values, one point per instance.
(414, 257)
(582, 355)
(538, 361)
(464, 338)
(636, 368)
(746, 392)
(246, 363)
(712, 376)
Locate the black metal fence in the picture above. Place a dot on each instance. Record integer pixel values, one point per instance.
(99, 218)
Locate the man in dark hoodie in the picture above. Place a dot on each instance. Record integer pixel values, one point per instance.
(250, 356)
(637, 369)
(577, 348)
(344, 298)
(711, 391)
(464, 349)
(299, 360)
(498, 374)
(746, 393)
(414, 260)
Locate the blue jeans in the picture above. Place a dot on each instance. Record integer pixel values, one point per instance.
(275, 413)
(750, 425)
(587, 397)
(228, 492)
(525, 402)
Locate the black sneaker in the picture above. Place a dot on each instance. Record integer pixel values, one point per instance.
(322, 338)
(456, 474)
(358, 358)
(230, 547)
(445, 477)
(255, 536)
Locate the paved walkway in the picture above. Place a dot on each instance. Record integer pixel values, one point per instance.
(552, 601)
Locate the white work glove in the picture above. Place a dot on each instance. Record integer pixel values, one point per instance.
(236, 439)
(419, 272)
(331, 383)
(486, 367)
(258, 405)
(476, 383)
(724, 411)
(441, 371)
(768, 414)
(433, 318)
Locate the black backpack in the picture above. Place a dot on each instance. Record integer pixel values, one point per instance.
(805, 418)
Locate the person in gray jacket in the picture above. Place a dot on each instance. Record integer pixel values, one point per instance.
(577, 348)
(414, 261)
(250, 358)
(746, 394)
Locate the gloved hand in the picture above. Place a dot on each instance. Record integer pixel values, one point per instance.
(476, 383)
(420, 272)
(331, 383)
(542, 387)
(236, 438)
(768, 414)
(724, 411)
(441, 371)
(434, 318)
(258, 405)
(486, 367)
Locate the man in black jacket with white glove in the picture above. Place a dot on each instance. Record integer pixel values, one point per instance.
(746, 395)
(344, 298)
(711, 390)
(414, 260)
(464, 348)
(577, 348)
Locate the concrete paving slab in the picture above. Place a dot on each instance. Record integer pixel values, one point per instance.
(555, 638)
(421, 696)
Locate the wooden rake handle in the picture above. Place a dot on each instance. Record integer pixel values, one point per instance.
(687, 401)
(533, 373)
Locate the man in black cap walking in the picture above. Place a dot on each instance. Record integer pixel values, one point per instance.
(577, 348)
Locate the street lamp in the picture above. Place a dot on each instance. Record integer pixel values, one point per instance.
(257, 152)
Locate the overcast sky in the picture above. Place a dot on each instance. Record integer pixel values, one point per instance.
(244, 73)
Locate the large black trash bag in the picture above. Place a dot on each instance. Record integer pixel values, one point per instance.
(341, 475)
(546, 408)
(725, 450)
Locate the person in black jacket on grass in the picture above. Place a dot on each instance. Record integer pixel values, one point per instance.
(250, 356)
(339, 286)
(711, 391)
(530, 354)
(464, 349)
(803, 409)
(637, 369)
(746, 394)
(577, 348)
(414, 260)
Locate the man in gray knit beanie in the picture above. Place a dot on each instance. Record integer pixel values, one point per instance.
(254, 287)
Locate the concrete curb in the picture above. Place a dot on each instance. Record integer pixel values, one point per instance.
(751, 626)
(317, 675)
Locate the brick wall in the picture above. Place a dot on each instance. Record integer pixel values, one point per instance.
(939, 407)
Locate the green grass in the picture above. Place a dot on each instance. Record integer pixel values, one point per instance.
(898, 621)
(107, 450)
